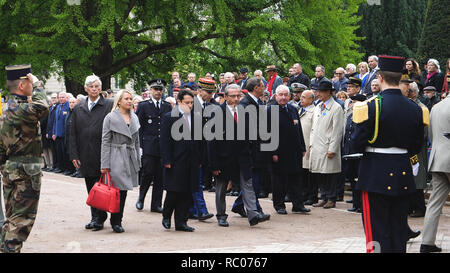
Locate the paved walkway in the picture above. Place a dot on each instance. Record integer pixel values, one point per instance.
(63, 213)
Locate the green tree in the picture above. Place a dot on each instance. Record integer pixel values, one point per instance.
(138, 39)
(434, 42)
(391, 28)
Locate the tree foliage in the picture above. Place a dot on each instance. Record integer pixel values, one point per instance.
(139, 39)
(392, 28)
(434, 42)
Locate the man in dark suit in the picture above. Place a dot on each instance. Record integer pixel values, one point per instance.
(373, 65)
(86, 140)
(149, 113)
(231, 160)
(49, 132)
(244, 78)
(181, 160)
(389, 131)
(198, 210)
(299, 76)
(255, 88)
(59, 132)
(286, 163)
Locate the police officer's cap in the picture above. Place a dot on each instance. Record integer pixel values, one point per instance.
(391, 63)
(354, 81)
(16, 72)
(157, 83)
(314, 86)
(298, 87)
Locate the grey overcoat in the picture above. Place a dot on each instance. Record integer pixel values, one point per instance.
(120, 150)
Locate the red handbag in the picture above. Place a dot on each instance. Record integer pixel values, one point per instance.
(104, 196)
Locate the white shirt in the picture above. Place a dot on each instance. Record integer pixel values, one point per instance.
(159, 102)
(186, 115)
(90, 105)
(233, 110)
(200, 100)
(253, 97)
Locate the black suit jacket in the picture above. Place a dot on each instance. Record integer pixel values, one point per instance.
(150, 120)
(231, 157)
(292, 145)
(183, 156)
(86, 135)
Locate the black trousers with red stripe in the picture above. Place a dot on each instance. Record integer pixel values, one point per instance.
(385, 220)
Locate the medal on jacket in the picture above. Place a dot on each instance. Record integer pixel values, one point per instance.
(150, 121)
(295, 121)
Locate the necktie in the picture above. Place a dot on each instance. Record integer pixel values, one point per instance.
(204, 105)
(91, 106)
(235, 116)
(303, 110)
(157, 105)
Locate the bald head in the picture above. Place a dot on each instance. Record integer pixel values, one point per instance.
(307, 98)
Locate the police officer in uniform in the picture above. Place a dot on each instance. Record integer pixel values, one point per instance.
(389, 130)
(20, 156)
(149, 113)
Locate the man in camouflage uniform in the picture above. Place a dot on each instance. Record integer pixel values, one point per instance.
(20, 156)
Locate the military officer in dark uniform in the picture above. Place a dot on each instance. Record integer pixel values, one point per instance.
(149, 113)
(389, 130)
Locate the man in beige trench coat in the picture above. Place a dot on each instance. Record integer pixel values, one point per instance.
(325, 145)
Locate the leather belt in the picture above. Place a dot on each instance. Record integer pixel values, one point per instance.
(390, 150)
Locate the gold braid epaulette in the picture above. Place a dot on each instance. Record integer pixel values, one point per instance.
(426, 116)
(414, 160)
(361, 110)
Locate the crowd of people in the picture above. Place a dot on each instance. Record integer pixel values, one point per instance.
(131, 137)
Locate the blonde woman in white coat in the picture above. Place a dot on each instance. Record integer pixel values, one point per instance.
(120, 150)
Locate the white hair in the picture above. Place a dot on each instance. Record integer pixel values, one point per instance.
(232, 86)
(229, 74)
(281, 88)
(414, 87)
(352, 66)
(259, 72)
(91, 79)
(373, 57)
(436, 63)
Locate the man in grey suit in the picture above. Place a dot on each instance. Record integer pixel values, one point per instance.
(439, 166)
(373, 65)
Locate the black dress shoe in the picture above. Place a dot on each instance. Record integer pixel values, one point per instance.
(281, 211)
(74, 174)
(212, 189)
(349, 201)
(413, 234)
(235, 193)
(139, 205)
(57, 170)
(240, 210)
(301, 209)
(223, 223)
(157, 209)
(287, 199)
(263, 217)
(90, 225)
(417, 214)
(193, 216)
(67, 173)
(254, 221)
(309, 203)
(352, 209)
(358, 210)
(166, 223)
(205, 216)
(185, 227)
(429, 249)
(117, 228)
(263, 195)
(97, 227)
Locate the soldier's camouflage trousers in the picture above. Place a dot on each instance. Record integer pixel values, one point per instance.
(21, 190)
